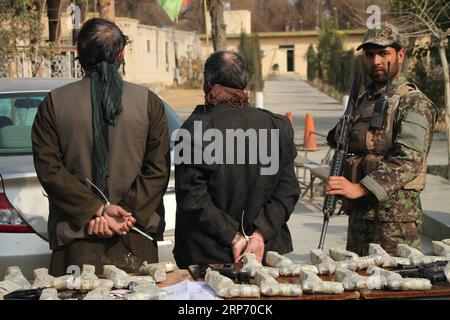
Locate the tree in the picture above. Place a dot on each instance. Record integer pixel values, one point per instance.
(312, 68)
(21, 34)
(424, 18)
(218, 27)
(267, 15)
(107, 9)
(352, 14)
(250, 49)
(329, 51)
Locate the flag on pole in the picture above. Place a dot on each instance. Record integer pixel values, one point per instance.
(172, 7)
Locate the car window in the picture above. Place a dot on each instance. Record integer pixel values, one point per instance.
(17, 113)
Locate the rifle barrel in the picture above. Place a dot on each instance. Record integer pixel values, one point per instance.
(340, 155)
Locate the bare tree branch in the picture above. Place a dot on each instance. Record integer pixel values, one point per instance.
(433, 5)
(440, 12)
(426, 20)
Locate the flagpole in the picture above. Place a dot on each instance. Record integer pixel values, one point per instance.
(206, 28)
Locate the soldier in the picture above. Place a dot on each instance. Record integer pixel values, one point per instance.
(386, 167)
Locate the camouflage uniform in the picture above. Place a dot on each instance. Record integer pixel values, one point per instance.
(391, 213)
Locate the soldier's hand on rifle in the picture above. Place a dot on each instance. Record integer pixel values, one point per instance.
(340, 186)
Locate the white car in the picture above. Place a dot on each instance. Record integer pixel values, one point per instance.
(23, 202)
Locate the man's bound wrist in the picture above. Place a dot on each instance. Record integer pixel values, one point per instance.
(236, 239)
(102, 210)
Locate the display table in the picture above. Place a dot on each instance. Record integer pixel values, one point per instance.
(437, 290)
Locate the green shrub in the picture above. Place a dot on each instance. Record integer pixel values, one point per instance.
(312, 63)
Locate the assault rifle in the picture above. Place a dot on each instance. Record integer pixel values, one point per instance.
(432, 271)
(340, 155)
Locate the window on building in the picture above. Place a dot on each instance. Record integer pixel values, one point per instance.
(167, 57)
(157, 50)
(148, 45)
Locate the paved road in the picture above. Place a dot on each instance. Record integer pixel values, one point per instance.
(290, 94)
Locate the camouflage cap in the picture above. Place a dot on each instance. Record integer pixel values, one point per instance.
(386, 36)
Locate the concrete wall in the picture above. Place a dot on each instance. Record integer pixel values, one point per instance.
(150, 57)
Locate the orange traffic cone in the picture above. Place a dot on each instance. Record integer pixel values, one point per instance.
(309, 138)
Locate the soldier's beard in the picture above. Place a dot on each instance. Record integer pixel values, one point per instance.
(381, 77)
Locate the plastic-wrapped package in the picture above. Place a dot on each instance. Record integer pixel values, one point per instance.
(99, 293)
(380, 277)
(156, 270)
(388, 261)
(136, 281)
(324, 263)
(348, 264)
(389, 275)
(440, 248)
(350, 280)
(251, 265)
(269, 286)
(89, 281)
(367, 261)
(66, 282)
(49, 294)
(7, 286)
(415, 256)
(405, 284)
(225, 287)
(405, 251)
(168, 265)
(311, 283)
(286, 266)
(376, 282)
(339, 254)
(42, 279)
(120, 278)
(146, 293)
(393, 262)
(394, 281)
(15, 275)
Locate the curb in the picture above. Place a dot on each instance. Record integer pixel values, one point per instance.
(434, 227)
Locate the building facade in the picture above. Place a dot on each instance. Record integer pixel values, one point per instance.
(151, 58)
(285, 52)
